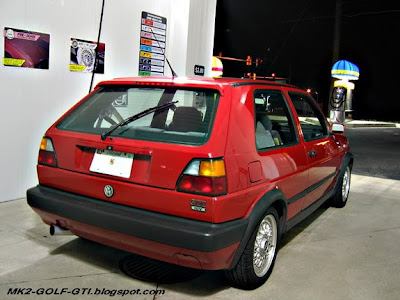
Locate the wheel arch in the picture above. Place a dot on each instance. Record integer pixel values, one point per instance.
(348, 160)
(274, 198)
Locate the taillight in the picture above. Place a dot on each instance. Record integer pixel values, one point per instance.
(47, 155)
(205, 177)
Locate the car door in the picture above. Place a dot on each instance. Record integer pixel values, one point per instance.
(320, 147)
(280, 153)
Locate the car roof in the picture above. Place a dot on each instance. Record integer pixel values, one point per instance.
(192, 81)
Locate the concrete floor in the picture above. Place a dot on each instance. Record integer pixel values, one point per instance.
(349, 253)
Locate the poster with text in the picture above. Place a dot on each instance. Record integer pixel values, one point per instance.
(26, 49)
(83, 56)
(152, 45)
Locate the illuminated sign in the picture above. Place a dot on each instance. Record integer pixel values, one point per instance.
(152, 45)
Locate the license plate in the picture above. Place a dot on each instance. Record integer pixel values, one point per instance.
(112, 163)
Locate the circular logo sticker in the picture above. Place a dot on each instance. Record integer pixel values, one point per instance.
(74, 44)
(108, 191)
(10, 34)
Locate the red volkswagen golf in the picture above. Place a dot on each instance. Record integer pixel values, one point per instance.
(199, 172)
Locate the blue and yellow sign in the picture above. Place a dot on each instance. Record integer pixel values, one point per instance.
(343, 69)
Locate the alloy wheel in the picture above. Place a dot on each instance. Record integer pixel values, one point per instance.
(265, 245)
(346, 184)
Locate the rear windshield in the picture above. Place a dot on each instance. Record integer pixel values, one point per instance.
(188, 121)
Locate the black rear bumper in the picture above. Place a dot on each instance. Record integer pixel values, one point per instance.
(157, 227)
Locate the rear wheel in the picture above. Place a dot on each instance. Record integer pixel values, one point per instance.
(340, 198)
(258, 258)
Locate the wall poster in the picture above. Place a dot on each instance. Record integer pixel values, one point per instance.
(152, 45)
(83, 56)
(26, 49)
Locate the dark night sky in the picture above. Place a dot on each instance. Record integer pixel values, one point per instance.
(295, 40)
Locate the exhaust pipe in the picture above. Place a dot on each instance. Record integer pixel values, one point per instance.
(57, 230)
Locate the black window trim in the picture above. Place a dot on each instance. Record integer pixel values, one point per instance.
(314, 106)
(101, 88)
(290, 119)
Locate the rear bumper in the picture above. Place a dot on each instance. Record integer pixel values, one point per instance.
(178, 240)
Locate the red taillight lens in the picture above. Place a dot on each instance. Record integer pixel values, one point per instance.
(210, 186)
(47, 155)
(47, 158)
(204, 177)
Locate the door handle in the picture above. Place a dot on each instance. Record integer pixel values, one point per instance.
(312, 153)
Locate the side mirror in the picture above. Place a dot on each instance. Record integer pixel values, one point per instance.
(338, 128)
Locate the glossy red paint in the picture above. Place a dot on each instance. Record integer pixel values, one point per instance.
(303, 171)
(285, 168)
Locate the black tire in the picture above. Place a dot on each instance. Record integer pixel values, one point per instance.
(256, 263)
(339, 200)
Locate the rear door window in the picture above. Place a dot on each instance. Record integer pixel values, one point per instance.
(188, 121)
(273, 120)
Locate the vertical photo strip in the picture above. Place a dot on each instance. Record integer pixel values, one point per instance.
(152, 45)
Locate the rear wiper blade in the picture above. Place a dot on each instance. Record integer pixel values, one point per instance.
(137, 116)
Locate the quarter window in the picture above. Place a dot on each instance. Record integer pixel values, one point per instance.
(273, 121)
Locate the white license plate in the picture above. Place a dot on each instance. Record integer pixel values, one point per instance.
(112, 163)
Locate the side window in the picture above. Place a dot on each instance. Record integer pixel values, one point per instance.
(273, 122)
(312, 122)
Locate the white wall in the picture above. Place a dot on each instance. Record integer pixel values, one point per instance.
(200, 42)
(31, 99)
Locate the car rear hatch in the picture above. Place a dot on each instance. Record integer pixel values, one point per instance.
(151, 149)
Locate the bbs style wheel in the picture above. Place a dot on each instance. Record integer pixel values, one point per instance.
(258, 258)
(342, 194)
(265, 245)
(86, 57)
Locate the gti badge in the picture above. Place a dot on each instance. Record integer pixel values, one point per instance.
(108, 191)
(198, 205)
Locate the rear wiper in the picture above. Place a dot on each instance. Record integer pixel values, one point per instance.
(137, 116)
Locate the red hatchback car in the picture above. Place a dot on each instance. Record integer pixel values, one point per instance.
(200, 172)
